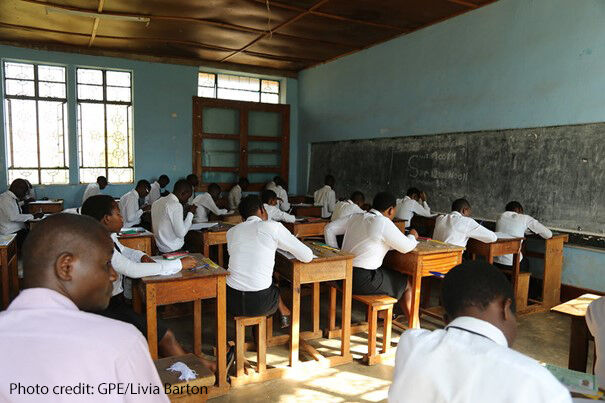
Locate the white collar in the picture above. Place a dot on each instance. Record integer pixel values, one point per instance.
(253, 218)
(327, 186)
(350, 201)
(407, 198)
(376, 212)
(42, 298)
(479, 327)
(456, 213)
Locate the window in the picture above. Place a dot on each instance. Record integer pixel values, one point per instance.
(105, 125)
(225, 86)
(35, 105)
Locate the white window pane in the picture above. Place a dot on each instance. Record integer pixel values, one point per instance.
(205, 92)
(118, 140)
(52, 134)
(206, 79)
(24, 139)
(89, 76)
(238, 95)
(51, 73)
(90, 175)
(119, 78)
(270, 86)
(118, 94)
(28, 174)
(18, 87)
(51, 90)
(92, 92)
(269, 98)
(19, 70)
(120, 175)
(238, 83)
(55, 176)
(92, 135)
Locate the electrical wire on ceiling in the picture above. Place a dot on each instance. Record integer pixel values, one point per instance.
(269, 19)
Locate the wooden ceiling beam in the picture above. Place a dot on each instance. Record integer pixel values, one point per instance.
(95, 24)
(464, 3)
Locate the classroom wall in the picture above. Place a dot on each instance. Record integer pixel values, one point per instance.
(511, 64)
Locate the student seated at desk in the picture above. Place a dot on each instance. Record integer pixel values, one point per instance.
(457, 227)
(252, 246)
(326, 197)
(12, 219)
(280, 187)
(413, 203)
(369, 237)
(157, 189)
(515, 223)
(349, 207)
(169, 227)
(30, 196)
(49, 337)
(193, 182)
(595, 320)
(131, 206)
(205, 203)
(235, 194)
(471, 359)
(273, 212)
(94, 189)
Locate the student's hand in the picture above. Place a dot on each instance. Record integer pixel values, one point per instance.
(38, 215)
(188, 262)
(146, 259)
(190, 208)
(146, 207)
(423, 196)
(414, 233)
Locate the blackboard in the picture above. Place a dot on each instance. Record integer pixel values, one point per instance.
(557, 173)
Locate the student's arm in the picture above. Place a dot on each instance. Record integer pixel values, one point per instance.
(209, 203)
(422, 209)
(132, 211)
(179, 226)
(123, 264)
(480, 233)
(538, 228)
(282, 216)
(335, 228)
(331, 201)
(393, 237)
(12, 212)
(288, 242)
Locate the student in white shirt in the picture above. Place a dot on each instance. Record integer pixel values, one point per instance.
(369, 237)
(273, 212)
(515, 223)
(235, 194)
(470, 360)
(169, 227)
(326, 197)
(457, 227)
(94, 189)
(595, 319)
(30, 196)
(130, 205)
(205, 203)
(157, 189)
(349, 207)
(413, 203)
(280, 187)
(193, 182)
(252, 246)
(12, 219)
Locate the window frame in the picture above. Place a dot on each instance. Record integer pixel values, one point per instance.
(260, 91)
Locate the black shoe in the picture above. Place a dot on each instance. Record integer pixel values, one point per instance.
(230, 358)
(285, 321)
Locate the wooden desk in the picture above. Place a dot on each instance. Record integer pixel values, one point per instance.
(428, 256)
(306, 210)
(208, 237)
(304, 229)
(187, 286)
(44, 206)
(424, 225)
(142, 241)
(579, 335)
(9, 276)
(328, 266)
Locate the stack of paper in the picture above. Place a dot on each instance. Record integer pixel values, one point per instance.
(578, 382)
(202, 225)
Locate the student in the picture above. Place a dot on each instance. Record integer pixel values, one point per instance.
(280, 187)
(273, 212)
(349, 207)
(514, 222)
(12, 219)
(94, 189)
(50, 339)
(205, 203)
(193, 182)
(169, 227)
(326, 197)
(130, 207)
(413, 203)
(252, 246)
(157, 189)
(457, 227)
(369, 237)
(595, 319)
(470, 360)
(235, 194)
(30, 196)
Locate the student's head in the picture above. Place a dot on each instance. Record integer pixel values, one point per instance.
(514, 206)
(330, 181)
(243, 183)
(279, 181)
(214, 190)
(462, 206)
(385, 203)
(358, 198)
(193, 180)
(102, 182)
(163, 181)
(19, 188)
(143, 187)
(478, 289)
(71, 254)
(269, 197)
(104, 209)
(182, 190)
(252, 205)
(413, 193)
(29, 185)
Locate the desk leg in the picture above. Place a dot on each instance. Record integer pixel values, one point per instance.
(4, 269)
(521, 302)
(152, 327)
(197, 327)
(315, 308)
(295, 325)
(206, 247)
(220, 255)
(221, 331)
(578, 344)
(347, 292)
(553, 265)
(14, 273)
(414, 315)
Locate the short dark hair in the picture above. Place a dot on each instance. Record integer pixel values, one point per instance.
(413, 192)
(98, 206)
(357, 196)
(164, 177)
(383, 201)
(243, 181)
(474, 283)
(214, 187)
(267, 195)
(101, 179)
(514, 205)
(145, 183)
(460, 204)
(192, 177)
(249, 206)
(279, 181)
(180, 185)
(329, 180)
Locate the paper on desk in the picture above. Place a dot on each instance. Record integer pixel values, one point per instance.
(299, 219)
(6, 239)
(202, 225)
(301, 205)
(574, 381)
(137, 229)
(504, 235)
(288, 255)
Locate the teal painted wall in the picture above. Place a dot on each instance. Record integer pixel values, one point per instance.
(512, 64)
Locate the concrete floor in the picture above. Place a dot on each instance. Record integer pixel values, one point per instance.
(543, 336)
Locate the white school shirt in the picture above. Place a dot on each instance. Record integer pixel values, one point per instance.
(234, 197)
(127, 262)
(282, 195)
(154, 193)
(48, 341)
(407, 207)
(11, 217)
(169, 228)
(326, 198)
(252, 245)
(344, 209)
(129, 208)
(73, 210)
(516, 224)
(205, 204)
(275, 214)
(369, 237)
(595, 319)
(92, 189)
(468, 361)
(456, 229)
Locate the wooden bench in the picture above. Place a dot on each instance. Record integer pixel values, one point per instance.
(375, 304)
(177, 391)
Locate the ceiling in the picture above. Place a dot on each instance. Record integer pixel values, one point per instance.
(285, 36)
